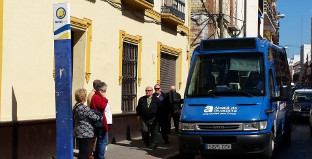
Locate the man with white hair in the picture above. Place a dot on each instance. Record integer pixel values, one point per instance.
(147, 111)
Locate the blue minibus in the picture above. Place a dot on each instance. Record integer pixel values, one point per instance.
(235, 99)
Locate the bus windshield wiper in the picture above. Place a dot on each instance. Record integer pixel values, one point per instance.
(246, 93)
(236, 92)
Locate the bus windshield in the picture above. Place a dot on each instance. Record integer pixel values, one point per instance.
(227, 74)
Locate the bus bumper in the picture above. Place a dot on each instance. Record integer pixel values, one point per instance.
(240, 144)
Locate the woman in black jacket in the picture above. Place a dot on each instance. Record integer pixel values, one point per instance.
(84, 117)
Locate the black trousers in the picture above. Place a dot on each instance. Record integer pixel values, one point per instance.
(149, 130)
(176, 120)
(84, 147)
(165, 126)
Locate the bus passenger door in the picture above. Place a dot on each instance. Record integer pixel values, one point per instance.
(278, 115)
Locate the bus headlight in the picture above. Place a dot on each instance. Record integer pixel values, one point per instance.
(262, 125)
(187, 126)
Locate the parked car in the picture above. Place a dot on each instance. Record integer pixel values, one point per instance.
(300, 86)
(302, 100)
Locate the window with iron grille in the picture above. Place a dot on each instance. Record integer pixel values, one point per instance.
(129, 76)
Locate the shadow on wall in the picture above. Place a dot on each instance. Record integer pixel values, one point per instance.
(14, 106)
(18, 135)
(15, 126)
(92, 1)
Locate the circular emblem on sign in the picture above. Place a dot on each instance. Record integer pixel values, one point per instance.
(60, 13)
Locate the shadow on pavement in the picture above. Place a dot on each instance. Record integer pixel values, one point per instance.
(163, 150)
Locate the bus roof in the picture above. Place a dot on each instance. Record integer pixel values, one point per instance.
(233, 43)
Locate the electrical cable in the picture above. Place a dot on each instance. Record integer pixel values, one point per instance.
(198, 35)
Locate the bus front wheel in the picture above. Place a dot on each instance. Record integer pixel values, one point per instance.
(268, 153)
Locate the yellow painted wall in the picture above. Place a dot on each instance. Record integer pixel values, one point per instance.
(1, 48)
(28, 45)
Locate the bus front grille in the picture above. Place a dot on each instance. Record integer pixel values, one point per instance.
(219, 127)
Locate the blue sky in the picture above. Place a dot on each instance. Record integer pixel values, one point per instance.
(295, 27)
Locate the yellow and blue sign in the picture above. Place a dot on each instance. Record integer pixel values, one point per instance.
(63, 81)
(61, 21)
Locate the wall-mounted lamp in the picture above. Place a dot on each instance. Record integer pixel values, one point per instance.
(280, 16)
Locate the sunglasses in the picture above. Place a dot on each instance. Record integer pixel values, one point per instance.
(148, 90)
(157, 88)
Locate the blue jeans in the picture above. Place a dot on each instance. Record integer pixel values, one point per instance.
(101, 144)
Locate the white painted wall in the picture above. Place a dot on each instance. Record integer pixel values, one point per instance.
(296, 58)
(252, 19)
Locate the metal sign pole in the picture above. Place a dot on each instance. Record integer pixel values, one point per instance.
(63, 81)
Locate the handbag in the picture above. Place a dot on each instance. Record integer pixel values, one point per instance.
(99, 123)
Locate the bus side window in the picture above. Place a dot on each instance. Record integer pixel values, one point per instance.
(271, 84)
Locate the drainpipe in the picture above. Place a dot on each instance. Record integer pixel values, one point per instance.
(221, 18)
(245, 16)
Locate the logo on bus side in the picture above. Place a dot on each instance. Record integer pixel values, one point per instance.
(220, 110)
(208, 109)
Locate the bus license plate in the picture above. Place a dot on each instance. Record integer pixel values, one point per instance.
(218, 146)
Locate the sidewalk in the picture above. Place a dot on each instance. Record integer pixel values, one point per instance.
(135, 149)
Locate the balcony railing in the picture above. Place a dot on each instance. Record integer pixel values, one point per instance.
(175, 7)
(267, 8)
(151, 1)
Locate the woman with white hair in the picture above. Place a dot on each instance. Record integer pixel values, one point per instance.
(84, 117)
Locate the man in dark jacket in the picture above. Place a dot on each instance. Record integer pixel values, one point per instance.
(158, 93)
(176, 109)
(164, 113)
(147, 111)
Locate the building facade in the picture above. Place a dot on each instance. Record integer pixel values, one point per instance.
(305, 56)
(294, 65)
(129, 44)
(212, 19)
(207, 16)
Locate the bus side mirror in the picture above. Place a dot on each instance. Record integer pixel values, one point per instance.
(283, 94)
(173, 97)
